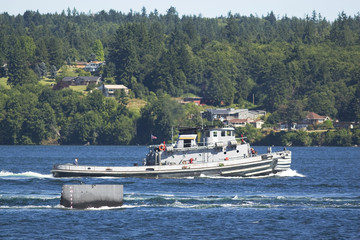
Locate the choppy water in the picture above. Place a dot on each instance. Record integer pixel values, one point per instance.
(319, 198)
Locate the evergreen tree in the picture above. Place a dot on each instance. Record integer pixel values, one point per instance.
(55, 52)
(98, 50)
(37, 71)
(43, 69)
(53, 72)
(18, 70)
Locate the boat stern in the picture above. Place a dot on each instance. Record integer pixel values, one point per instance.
(283, 160)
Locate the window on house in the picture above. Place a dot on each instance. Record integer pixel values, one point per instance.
(187, 143)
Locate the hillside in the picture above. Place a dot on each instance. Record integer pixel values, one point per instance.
(285, 66)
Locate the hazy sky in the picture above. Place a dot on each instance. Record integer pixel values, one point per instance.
(329, 9)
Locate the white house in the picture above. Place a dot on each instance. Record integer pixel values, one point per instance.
(109, 90)
(231, 113)
(93, 66)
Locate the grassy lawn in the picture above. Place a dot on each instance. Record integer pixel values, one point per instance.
(47, 81)
(80, 88)
(135, 105)
(3, 83)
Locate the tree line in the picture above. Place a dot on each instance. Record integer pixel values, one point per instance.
(329, 137)
(283, 65)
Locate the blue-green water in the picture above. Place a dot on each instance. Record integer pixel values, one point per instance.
(319, 198)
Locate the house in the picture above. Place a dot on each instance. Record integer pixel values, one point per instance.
(314, 119)
(80, 64)
(195, 100)
(237, 122)
(243, 122)
(348, 125)
(310, 119)
(223, 114)
(75, 81)
(109, 90)
(93, 66)
(257, 123)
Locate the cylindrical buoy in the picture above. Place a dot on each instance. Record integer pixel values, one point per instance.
(91, 196)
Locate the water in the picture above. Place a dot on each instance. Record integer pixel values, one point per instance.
(319, 198)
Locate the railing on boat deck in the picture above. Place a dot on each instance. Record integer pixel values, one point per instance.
(80, 168)
(199, 146)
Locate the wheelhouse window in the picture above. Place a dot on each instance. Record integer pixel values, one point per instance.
(215, 134)
(223, 133)
(187, 143)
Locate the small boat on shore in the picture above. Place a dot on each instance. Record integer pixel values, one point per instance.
(218, 154)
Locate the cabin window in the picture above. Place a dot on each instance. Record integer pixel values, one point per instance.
(223, 133)
(187, 143)
(215, 134)
(228, 133)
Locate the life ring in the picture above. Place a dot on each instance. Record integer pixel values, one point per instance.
(226, 158)
(191, 160)
(162, 147)
(242, 139)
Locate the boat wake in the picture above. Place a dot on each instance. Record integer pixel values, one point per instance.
(28, 174)
(289, 173)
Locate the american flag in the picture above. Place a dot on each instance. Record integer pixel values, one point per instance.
(153, 137)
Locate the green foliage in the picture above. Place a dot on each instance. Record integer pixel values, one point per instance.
(98, 50)
(298, 138)
(340, 137)
(327, 124)
(251, 133)
(27, 120)
(158, 118)
(286, 66)
(292, 112)
(82, 72)
(19, 72)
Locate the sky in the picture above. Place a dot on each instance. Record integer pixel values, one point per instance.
(328, 9)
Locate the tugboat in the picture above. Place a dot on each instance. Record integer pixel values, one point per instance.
(218, 154)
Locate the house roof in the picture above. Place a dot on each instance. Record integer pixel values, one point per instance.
(80, 78)
(312, 115)
(120, 86)
(80, 63)
(226, 110)
(238, 121)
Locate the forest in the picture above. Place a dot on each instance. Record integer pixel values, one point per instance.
(285, 66)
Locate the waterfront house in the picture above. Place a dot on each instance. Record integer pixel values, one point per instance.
(228, 114)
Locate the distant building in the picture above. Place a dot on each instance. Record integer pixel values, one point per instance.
(243, 122)
(93, 66)
(80, 64)
(109, 90)
(314, 118)
(228, 114)
(310, 119)
(348, 125)
(196, 100)
(75, 81)
(238, 122)
(257, 123)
